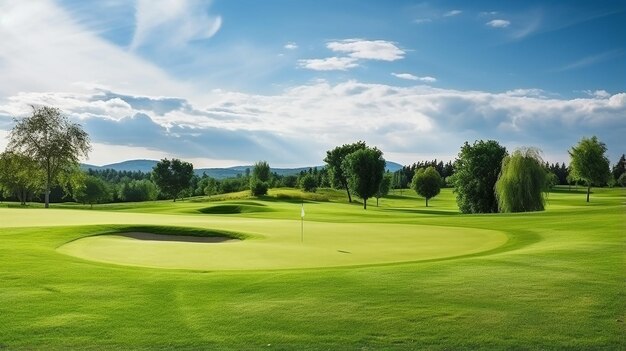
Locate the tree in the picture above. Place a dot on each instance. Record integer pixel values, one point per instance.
(475, 174)
(621, 181)
(138, 190)
(551, 180)
(523, 182)
(48, 137)
(334, 163)
(364, 170)
(94, 190)
(307, 183)
(589, 163)
(20, 175)
(620, 167)
(172, 177)
(384, 187)
(427, 183)
(259, 181)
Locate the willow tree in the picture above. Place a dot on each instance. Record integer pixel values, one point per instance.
(522, 184)
(55, 143)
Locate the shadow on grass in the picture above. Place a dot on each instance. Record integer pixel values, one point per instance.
(424, 211)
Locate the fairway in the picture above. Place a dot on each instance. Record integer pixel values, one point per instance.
(399, 276)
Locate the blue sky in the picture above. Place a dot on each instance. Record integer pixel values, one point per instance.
(230, 82)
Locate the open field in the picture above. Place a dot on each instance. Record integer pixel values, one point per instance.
(398, 276)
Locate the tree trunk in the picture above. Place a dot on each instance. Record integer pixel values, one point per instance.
(588, 191)
(91, 206)
(47, 194)
(376, 202)
(426, 202)
(348, 191)
(365, 204)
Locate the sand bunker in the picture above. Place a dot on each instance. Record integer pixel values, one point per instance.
(182, 238)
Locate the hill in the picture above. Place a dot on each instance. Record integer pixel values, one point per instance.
(218, 173)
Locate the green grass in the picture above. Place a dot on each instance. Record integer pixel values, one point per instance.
(558, 282)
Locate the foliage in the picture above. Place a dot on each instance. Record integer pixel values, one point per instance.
(49, 137)
(621, 181)
(476, 172)
(589, 162)
(258, 187)
(334, 163)
(620, 167)
(404, 176)
(308, 183)
(364, 170)
(20, 175)
(384, 187)
(551, 180)
(427, 183)
(138, 190)
(172, 177)
(523, 182)
(261, 171)
(260, 179)
(94, 190)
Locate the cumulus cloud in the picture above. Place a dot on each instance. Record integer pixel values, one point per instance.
(409, 76)
(291, 46)
(329, 63)
(498, 23)
(405, 122)
(368, 49)
(452, 13)
(173, 22)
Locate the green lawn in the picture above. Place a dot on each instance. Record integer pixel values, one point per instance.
(398, 276)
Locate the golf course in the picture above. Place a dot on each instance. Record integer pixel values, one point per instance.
(239, 272)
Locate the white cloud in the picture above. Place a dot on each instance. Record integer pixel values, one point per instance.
(498, 23)
(329, 64)
(600, 94)
(410, 76)
(69, 58)
(452, 13)
(291, 46)
(592, 60)
(403, 121)
(368, 49)
(173, 22)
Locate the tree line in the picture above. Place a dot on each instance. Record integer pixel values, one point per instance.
(41, 162)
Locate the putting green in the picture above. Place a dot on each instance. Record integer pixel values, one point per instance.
(276, 245)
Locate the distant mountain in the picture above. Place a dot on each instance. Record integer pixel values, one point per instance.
(218, 173)
(392, 166)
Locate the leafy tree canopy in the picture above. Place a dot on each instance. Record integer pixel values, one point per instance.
(172, 177)
(589, 163)
(48, 137)
(364, 170)
(523, 182)
(427, 183)
(334, 163)
(476, 172)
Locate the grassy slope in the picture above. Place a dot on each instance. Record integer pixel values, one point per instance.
(558, 284)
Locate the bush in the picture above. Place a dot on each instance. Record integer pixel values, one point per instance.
(307, 183)
(258, 187)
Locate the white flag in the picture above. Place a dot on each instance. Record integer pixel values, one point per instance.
(302, 211)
